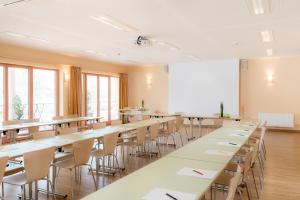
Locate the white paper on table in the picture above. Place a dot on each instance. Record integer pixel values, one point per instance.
(207, 174)
(242, 130)
(229, 144)
(239, 135)
(219, 152)
(160, 194)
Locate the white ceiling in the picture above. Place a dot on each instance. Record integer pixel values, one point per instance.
(201, 29)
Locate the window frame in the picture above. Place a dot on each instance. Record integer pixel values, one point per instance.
(84, 90)
(6, 66)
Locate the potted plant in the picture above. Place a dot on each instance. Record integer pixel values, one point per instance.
(18, 108)
(221, 110)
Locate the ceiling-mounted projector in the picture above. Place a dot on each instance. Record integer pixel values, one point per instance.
(142, 41)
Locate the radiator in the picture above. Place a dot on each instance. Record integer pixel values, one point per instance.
(284, 120)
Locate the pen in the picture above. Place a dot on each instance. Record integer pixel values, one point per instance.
(171, 196)
(232, 143)
(197, 172)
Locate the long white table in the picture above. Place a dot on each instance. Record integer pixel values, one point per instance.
(164, 174)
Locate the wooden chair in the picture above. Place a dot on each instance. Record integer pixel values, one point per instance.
(99, 125)
(35, 170)
(115, 122)
(43, 134)
(138, 141)
(81, 154)
(233, 185)
(67, 130)
(179, 126)
(169, 132)
(3, 163)
(109, 145)
(153, 137)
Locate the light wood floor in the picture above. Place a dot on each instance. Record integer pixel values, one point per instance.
(282, 171)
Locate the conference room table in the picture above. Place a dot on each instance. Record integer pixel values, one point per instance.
(174, 174)
(18, 149)
(14, 128)
(199, 119)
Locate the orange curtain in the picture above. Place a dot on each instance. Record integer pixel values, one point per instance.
(75, 92)
(123, 91)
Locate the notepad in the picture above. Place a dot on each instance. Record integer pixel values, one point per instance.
(218, 152)
(229, 144)
(160, 194)
(205, 174)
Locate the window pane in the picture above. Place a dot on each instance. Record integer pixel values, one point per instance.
(1, 93)
(18, 93)
(114, 86)
(91, 82)
(104, 97)
(44, 94)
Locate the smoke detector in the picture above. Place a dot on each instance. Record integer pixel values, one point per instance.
(143, 41)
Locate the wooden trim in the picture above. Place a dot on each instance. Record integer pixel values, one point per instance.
(109, 99)
(95, 74)
(5, 95)
(30, 93)
(57, 88)
(85, 94)
(98, 96)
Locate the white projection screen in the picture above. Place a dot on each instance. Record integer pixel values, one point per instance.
(198, 87)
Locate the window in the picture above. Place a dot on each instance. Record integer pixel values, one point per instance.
(44, 94)
(101, 95)
(114, 91)
(2, 93)
(92, 95)
(28, 92)
(18, 106)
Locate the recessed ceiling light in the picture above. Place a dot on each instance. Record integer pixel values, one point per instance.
(169, 45)
(193, 57)
(269, 52)
(267, 36)
(258, 7)
(113, 23)
(16, 35)
(39, 39)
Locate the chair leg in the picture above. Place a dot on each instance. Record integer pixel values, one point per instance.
(72, 184)
(2, 186)
(181, 139)
(158, 148)
(36, 191)
(30, 190)
(252, 172)
(52, 189)
(91, 170)
(173, 136)
(103, 170)
(23, 189)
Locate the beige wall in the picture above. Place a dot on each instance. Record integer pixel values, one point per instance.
(155, 94)
(14, 54)
(280, 95)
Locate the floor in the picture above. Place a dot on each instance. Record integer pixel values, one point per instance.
(282, 171)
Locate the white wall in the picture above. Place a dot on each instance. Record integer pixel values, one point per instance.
(199, 87)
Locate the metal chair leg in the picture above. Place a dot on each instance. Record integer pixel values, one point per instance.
(252, 172)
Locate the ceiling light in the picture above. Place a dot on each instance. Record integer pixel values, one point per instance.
(15, 35)
(171, 46)
(90, 51)
(269, 52)
(258, 7)
(113, 23)
(39, 39)
(193, 57)
(267, 36)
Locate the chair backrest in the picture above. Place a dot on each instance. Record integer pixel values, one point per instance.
(154, 131)
(261, 138)
(171, 126)
(141, 135)
(57, 117)
(37, 163)
(3, 162)
(109, 143)
(43, 134)
(255, 152)
(234, 182)
(32, 129)
(116, 122)
(82, 151)
(99, 125)
(179, 123)
(132, 119)
(248, 161)
(67, 130)
(218, 122)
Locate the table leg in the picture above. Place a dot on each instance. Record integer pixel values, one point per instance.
(191, 129)
(200, 126)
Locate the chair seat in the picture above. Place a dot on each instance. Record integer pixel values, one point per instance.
(231, 167)
(97, 152)
(16, 179)
(13, 169)
(66, 164)
(223, 179)
(59, 156)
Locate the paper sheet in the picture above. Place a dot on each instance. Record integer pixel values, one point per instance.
(239, 135)
(219, 152)
(229, 144)
(206, 174)
(160, 194)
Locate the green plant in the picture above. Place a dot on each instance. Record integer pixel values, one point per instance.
(143, 103)
(221, 109)
(18, 107)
